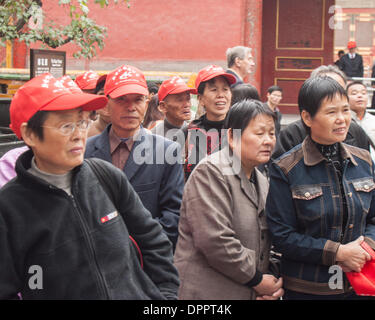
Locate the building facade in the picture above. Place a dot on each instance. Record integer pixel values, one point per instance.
(289, 38)
(355, 21)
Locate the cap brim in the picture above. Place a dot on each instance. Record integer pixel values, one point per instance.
(128, 89)
(231, 78)
(86, 85)
(86, 101)
(182, 89)
(89, 86)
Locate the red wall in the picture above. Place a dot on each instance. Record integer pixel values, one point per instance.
(165, 35)
(180, 30)
(182, 35)
(164, 30)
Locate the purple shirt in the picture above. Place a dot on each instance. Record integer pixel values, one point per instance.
(8, 163)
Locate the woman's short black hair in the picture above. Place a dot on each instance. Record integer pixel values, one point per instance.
(36, 122)
(202, 85)
(152, 87)
(244, 91)
(315, 90)
(241, 113)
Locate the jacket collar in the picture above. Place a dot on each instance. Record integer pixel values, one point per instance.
(258, 200)
(23, 164)
(102, 149)
(231, 71)
(131, 167)
(101, 144)
(312, 156)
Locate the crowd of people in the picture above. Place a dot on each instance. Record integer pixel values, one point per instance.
(121, 193)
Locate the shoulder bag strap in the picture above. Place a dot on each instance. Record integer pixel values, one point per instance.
(105, 180)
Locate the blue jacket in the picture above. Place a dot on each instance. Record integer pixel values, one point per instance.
(304, 212)
(158, 183)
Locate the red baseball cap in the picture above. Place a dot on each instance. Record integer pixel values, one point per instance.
(46, 93)
(212, 71)
(173, 85)
(125, 80)
(87, 80)
(70, 84)
(352, 44)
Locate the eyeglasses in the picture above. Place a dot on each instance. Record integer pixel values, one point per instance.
(68, 128)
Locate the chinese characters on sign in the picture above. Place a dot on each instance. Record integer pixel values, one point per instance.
(290, 63)
(42, 61)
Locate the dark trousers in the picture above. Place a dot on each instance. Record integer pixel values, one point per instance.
(293, 295)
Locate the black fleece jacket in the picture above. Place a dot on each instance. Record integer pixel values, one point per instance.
(81, 255)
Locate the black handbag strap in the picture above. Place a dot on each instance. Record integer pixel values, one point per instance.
(106, 182)
(104, 178)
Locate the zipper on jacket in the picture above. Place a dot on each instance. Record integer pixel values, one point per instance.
(91, 247)
(343, 228)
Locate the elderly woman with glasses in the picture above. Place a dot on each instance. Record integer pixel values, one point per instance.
(62, 236)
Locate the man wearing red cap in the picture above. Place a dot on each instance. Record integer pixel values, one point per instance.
(352, 63)
(61, 236)
(87, 81)
(174, 102)
(151, 162)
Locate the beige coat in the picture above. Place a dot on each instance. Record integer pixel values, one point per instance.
(223, 235)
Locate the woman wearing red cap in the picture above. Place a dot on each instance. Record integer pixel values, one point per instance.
(204, 134)
(61, 236)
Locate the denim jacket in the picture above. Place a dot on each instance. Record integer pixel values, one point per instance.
(305, 211)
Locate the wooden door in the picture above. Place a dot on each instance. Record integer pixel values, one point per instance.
(296, 39)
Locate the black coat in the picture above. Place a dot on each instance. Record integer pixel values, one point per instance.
(81, 256)
(206, 134)
(238, 79)
(352, 67)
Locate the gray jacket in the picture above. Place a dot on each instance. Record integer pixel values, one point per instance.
(223, 235)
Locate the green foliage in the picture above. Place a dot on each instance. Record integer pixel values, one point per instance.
(82, 31)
